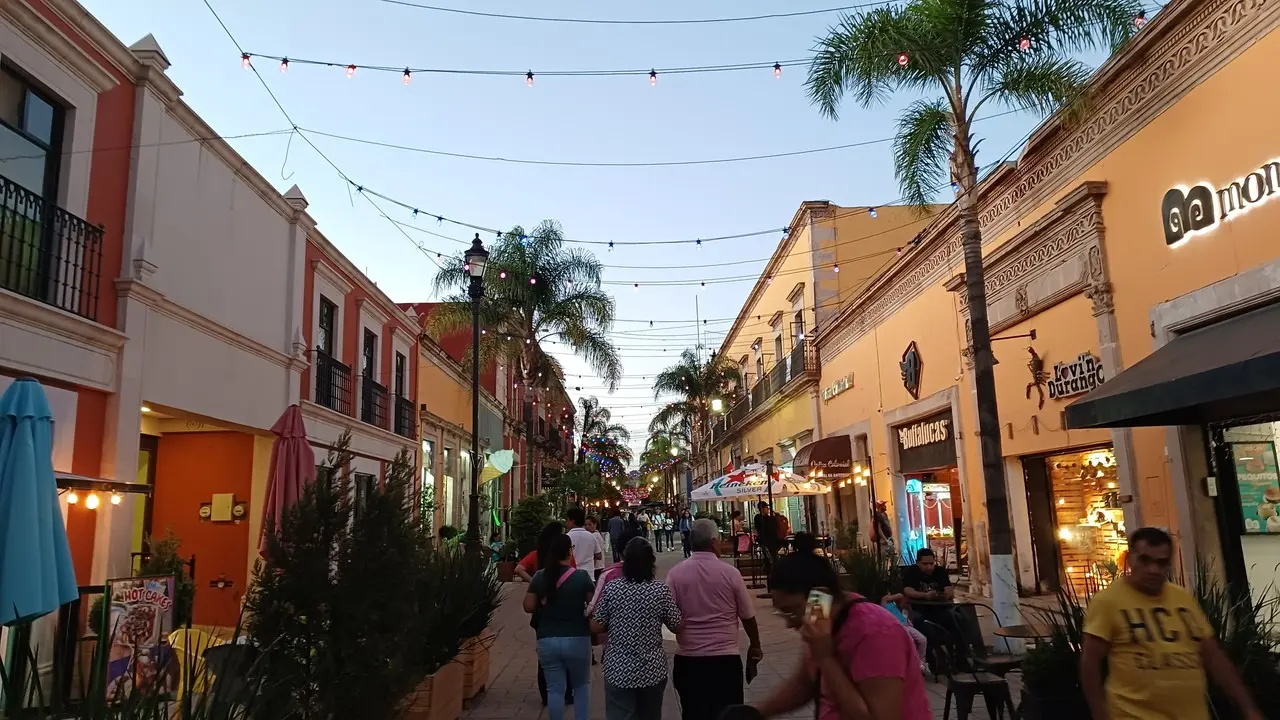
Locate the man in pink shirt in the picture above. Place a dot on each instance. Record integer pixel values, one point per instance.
(713, 599)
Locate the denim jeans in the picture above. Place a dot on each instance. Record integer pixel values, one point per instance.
(566, 661)
(634, 703)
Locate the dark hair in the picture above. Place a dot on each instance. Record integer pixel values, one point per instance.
(735, 514)
(553, 565)
(592, 519)
(803, 570)
(638, 560)
(550, 532)
(576, 516)
(923, 553)
(762, 505)
(1152, 536)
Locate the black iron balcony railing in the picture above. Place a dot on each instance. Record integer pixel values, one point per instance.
(333, 383)
(798, 363)
(404, 417)
(48, 254)
(373, 403)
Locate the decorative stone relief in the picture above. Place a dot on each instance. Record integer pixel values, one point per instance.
(1100, 295)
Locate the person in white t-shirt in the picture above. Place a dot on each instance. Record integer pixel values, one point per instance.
(588, 552)
(656, 522)
(593, 526)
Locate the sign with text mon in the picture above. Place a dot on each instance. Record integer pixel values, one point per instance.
(1189, 211)
(926, 444)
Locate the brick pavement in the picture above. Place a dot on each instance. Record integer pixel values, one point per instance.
(512, 692)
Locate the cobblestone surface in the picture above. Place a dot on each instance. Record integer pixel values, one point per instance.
(512, 692)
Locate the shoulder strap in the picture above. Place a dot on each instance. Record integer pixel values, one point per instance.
(564, 577)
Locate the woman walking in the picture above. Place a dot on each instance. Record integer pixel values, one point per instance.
(633, 610)
(686, 525)
(557, 600)
(858, 662)
(551, 537)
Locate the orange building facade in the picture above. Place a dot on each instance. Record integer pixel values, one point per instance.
(1093, 265)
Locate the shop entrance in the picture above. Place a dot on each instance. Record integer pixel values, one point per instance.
(1077, 526)
(932, 515)
(1248, 502)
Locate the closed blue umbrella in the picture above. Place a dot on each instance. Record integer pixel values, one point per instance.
(36, 575)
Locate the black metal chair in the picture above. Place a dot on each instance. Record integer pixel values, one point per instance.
(963, 686)
(998, 663)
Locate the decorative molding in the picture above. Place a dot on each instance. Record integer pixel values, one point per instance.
(363, 435)
(133, 290)
(333, 277)
(60, 48)
(775, 320)
(796, 292)
(371, 308)
(1188, 41)
(70, 333)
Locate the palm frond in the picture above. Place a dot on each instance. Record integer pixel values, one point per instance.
(922, 149)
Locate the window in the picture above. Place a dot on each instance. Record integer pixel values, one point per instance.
(777, 348)
(449, 493)
(797, 326)
(366, 484)
(328, 323)
(369, 355)
(401, 380)
(30, 135)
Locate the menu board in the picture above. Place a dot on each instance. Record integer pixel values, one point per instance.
(140, 662)
(1259, 481)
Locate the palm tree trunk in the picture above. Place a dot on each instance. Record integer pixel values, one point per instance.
(527, 411)
(999, 536)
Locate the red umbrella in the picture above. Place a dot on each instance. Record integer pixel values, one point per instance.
(293, 467)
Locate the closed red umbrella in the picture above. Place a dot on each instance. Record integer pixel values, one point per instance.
(293, 467)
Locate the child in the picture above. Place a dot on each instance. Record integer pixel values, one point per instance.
(894, 603)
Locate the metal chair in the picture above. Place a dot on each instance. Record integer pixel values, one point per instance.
(963, 685)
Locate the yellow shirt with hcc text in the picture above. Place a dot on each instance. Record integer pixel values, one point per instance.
(1154, 669)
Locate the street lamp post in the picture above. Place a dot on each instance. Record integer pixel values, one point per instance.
(477, 257)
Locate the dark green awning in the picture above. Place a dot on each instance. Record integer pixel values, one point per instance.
(1224, 371)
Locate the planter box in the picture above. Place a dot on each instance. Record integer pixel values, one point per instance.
(474, 659)
(506, 571)
(438, 696)
(1072, 707)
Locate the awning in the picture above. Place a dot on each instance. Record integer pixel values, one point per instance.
(1225, 371)
(833, 456)
(749, 482)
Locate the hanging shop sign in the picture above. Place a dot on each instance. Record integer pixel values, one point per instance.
(1076, 377)
(1259, 480)
(1187, 212)
(912, 366)
(837, 387)
(926, 444)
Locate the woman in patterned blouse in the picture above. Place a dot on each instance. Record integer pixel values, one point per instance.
(633, 610)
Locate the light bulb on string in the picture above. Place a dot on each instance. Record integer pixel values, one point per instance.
(284, 65)
(245, 62)
(636, 286)
(835, 268)
(872, 212)
(903, 59)
(1140, 19)
(91, 502)
(777, 70)
(1024, 44)
(115, 498)
(408, 77)
(351, 71)
(528, 79)
(899, 252)
(533, 281)
(502, 275)
(653, 77)
(72, 498)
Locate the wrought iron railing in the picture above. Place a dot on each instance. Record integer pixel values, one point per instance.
(333, 383)
(404, 417)
(798, 363)
(373, 402)
(48, 254)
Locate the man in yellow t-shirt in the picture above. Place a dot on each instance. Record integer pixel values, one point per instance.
(1156, 644)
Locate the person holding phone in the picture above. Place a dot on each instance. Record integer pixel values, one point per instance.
(858, 661)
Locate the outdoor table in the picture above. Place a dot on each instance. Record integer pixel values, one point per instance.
(1023, 632)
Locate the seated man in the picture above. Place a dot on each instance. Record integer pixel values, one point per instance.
(929, 582)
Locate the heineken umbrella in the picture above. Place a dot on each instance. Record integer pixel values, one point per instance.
(750, 482)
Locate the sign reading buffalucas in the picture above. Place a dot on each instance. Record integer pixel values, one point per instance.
(1195, 211)
(837, 387)
(927, 444)
(925, 432)
(1076, 377)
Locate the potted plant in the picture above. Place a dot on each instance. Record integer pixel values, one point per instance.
(479, 597)
(435, 639)
(507, 559)
(870, 573)
(1051, 670)
(1243, 625)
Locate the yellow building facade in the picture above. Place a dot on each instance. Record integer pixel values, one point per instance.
(1099, 251)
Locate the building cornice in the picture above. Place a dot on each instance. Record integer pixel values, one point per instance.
(370, 288)
(331, 276)
(1185, 43)
(372, 308)
(60, 322)
(63, 49)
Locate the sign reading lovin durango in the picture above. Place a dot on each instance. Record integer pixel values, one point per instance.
(1187, 212)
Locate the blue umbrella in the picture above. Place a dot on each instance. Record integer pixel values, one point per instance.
(36, 575)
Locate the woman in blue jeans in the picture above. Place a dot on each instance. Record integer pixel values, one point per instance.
(558, 597)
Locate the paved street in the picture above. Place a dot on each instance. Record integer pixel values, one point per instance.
(513, 683)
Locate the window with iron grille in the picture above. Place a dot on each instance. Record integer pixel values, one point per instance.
(369, 355)
(328, 323)
(400, 375)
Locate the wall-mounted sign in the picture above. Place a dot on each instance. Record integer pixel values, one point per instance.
(1259, 481)
(1187, 212)
(926, 444)
(912, 366)
(1076, 377)
(837, 387)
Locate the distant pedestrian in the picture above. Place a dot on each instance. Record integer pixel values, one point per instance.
(643, 519)
(768, 534)
(713, 600)
(593, 526)
(633, 611)
(685, 525)
(669, 528)
(616, 527)
(588, 554)
(557, 600)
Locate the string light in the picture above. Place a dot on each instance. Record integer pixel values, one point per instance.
(408, 77)
(245, 62)
(835, 268)
(533, 281)
(872, 212)
(502, 275)
(903, 59)
(115, 498)
(284, 65)
(528, 79)
(72, 498)
(1024, 44)
(351, 71)
(1139, 20)
(653, 77)
(777, 70)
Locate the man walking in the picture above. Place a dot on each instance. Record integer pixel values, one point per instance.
(616, 527)
(1156, 644)
(587, 551)
(713, 599)
(767, 535)
(657, 529)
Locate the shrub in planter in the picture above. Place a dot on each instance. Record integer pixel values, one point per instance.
(870, 574)
(1243, 627)
(443, 596)
(1051, 670)
(528, 517)
(165, 560)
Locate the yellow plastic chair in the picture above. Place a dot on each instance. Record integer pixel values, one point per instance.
(188, 648)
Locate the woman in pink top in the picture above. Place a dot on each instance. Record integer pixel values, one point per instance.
(859, 662)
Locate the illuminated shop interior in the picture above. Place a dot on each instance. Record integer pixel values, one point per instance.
(1091, 533)
(932, 510)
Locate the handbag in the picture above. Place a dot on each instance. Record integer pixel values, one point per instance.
(533, 617)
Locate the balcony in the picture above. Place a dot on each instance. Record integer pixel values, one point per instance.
(373, 403)
(800, 365)
(333, 383)
(404, 417)
(48, 254)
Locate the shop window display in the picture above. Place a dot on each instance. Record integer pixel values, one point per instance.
(932, 511)
(1091, 532)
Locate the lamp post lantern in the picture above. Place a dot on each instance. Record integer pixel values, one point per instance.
(476, 257)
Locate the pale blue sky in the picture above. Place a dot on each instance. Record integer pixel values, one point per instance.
(569, 118)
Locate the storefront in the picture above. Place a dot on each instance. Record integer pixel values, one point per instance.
(932, 507)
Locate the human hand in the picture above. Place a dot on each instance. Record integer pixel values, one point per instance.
(755, 653)
(816, 632)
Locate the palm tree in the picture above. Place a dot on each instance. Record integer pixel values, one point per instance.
(595, 422)
(1015, 53)
(536, 290)
(696, 383)
(666, 453)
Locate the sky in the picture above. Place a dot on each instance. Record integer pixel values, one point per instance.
(576, 119)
